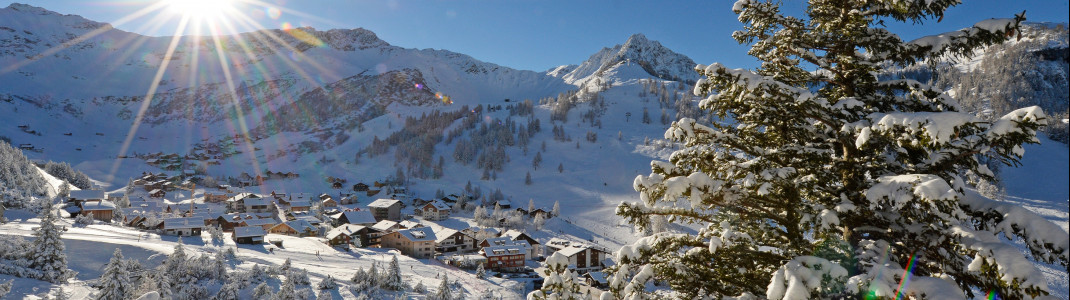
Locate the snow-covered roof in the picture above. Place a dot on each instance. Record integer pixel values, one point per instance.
(514, 234)
(600, 277)
(258, 222)
(98, 205)
(183, 223)
(301, 203)
(438, 205)
(502, 250)
(300, 225)
(256, 202)
(445, 234)
(359, 217)
(383, 203)
(410, 224)
(346, 229)
(249, 231)
(385, 225)
(506, 241)
(87, 194)
(421, 234)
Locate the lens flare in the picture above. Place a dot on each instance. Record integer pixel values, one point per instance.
(273, 12)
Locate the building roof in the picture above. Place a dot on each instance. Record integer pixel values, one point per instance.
(249, 231)
(300, 203)
(383, 203)
(600, 277)
(422, 234)
(183, 223)
(385, 225)
(299, 225)
(98, 205)
(438, 205)
(346, 229)
(502, 250)
(256, 202)
(258, 222)
(359, 217)
(87, 194)
(447, 233)
(410, 224)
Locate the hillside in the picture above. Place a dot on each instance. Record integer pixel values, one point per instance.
(344, 104)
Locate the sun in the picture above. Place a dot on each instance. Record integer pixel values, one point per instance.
(200, 9)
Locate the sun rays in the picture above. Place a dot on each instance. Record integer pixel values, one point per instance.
(234, 53)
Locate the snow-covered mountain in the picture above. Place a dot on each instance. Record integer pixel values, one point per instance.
(637, 58)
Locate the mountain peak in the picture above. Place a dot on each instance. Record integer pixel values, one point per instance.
(638, 51)
(29, 9)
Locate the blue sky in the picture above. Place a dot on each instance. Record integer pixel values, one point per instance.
(535, 35)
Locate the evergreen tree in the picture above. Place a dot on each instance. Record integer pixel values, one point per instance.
(556, 211)
(115, 282)
(419, 288)
(527, 178)
(849, 178)
(481, 272)
(392, 278)
(443, 292)
(360, 279)
(286, 291)
(5, 288)
(262, 291)
(228, 291)
(47, 255)
(328, 284)
(560, 282)
(539, 221)
(60, 294)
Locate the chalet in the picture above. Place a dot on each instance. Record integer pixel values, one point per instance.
(116, 196)
(101, 210)
(526, 249)
(596, 279)
(435, 211)
(157, 193)
(328, 203)
(503, 258)
(359, 217)
(581, 257)
(79, 196)
(386, 209)
(215, 197)
(416, 242)
(258, 205)
(227, 222)
(347, 200)
(349, 233)
(451, 241)
(248, 235)
(295, 228)
(517, 235)
(183, 226)
(504, 204)
(300, 205)
(265, 223)
(360, 187)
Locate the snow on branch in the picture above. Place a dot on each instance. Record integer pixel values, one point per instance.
(1039, 233)
(803, 274)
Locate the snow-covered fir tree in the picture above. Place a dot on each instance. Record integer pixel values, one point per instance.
(443, 292)
(286, 292)
(560, 282)
(481, 271)
(47, 254)
(5, 288)
(262, 291)
(392, 277)
(327, 283)
(831, 182)
(115, 282)
(229, 291)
